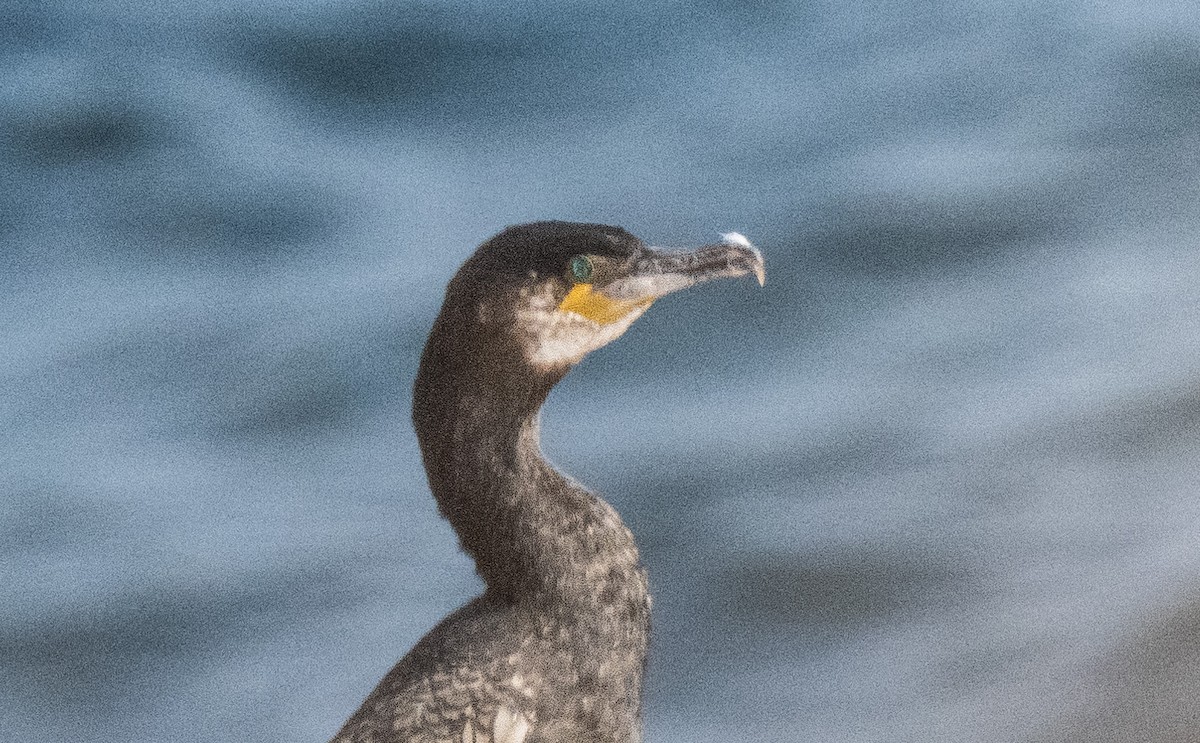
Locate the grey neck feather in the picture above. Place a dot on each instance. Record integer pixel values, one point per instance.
(532, 532)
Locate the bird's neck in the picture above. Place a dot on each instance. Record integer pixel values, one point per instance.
(532, 532)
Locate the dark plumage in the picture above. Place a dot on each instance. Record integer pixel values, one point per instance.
(554, 649)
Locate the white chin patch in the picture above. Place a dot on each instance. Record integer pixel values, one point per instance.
(556, 338)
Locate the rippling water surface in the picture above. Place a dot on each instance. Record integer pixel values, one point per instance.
(938, 481)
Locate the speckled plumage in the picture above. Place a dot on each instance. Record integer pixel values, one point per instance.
(554, 650)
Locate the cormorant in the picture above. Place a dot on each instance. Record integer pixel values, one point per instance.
(554, 649)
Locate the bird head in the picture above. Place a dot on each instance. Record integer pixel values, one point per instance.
(555, 291)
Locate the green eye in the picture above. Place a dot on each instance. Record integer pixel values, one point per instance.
(581, 269)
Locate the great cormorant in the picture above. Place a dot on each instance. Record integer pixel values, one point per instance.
(554, 649)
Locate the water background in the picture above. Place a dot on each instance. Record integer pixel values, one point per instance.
(937, 482)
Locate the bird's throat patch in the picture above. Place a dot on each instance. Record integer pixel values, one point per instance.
(583, 300)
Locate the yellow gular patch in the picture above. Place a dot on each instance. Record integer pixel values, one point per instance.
(593, 305)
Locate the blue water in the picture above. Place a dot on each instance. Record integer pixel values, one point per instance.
(938, 481)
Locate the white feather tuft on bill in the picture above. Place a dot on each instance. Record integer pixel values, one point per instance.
(736, 238)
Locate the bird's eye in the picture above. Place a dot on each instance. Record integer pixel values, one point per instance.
(581, 269)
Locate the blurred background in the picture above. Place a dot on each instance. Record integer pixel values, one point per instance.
(936, 482)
